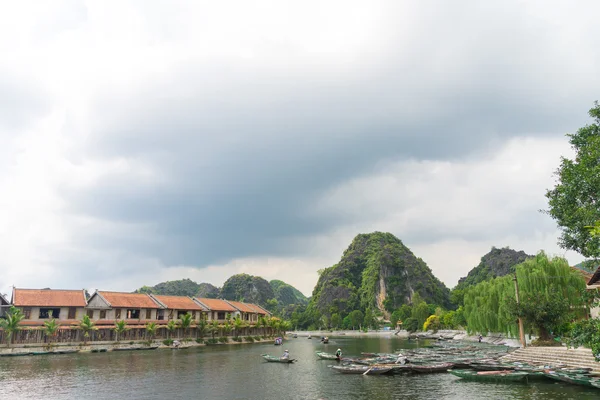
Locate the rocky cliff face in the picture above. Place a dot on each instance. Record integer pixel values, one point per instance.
(248, 288)
(208, 291)
(376, 271)
(498, 262)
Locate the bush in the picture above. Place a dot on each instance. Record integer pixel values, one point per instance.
(237, 339)
(411, 324)
(257, 338)
(211, 341)
(199, 341)
(224, 339)
(249, 339)
(168, 342)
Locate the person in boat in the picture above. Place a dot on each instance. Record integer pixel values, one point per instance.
(338, 354)
(286, 355)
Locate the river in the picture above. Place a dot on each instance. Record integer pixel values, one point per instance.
(238, 372)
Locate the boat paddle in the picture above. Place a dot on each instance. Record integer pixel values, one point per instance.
(367, 371)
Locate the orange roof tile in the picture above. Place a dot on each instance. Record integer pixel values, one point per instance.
(178, 302)
(132, 300)
(217, 305)
(259, 309)
(243, 307)
(48, 298)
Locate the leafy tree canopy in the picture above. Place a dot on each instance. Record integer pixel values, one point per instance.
(574, 203)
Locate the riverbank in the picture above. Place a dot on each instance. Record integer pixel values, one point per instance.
(101, 347)
(492, 338)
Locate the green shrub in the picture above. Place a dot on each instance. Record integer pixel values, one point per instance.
(211, 341)
(224, 339)
(249, 339)
(199, 341)
(257, 338)
(168, 342)
(237, 339)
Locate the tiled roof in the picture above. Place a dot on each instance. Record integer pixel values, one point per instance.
(178, 302)
(593, 280)
(243, 307)
(259, 309)
(129, 300)
(48, 298)
(217, 305)
(3, 300)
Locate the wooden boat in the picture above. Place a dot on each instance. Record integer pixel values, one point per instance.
(71, 351)
(135, 348)
(363, 370)
(22, 353)
(277, 359)
(326, 356)
(574, 379)
(489, 376)
(431, 368)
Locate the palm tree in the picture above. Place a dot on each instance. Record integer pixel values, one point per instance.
(151, 329)
(171, 326)
(201, 327)
(50, 330)
(214, 327)
(87, 326)
(185, 322)
(120, 327)
(227, 328)
(11, 324)
(238, 324)
(261, 323)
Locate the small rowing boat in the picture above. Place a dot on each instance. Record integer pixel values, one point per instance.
(326, 356)
(269, 358)
(489, 376)
(360, 369)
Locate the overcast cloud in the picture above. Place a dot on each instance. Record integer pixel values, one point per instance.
(142, 141)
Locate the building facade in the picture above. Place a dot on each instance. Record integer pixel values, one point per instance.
(135, 308)
(177, 306)
(40, 305)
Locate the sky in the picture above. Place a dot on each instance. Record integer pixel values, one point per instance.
(144, 141)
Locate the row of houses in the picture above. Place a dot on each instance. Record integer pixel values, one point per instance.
(68, 307)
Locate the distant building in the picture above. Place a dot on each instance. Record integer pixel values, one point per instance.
(248, 312)
(177, 306)
(135, 308)
(594, 284)
(39, 305)
(218, 309)
(4, 305)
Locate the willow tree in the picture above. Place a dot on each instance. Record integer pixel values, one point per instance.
(549, 290)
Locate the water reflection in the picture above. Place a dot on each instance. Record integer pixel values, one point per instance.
(238, 372)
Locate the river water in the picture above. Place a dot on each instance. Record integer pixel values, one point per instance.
(238, 372)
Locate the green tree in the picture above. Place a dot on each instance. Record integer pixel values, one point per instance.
(238, 325)
(432, 323)
(411, 324)
(120, 328)
(575, 200)
(356, 318)
(10, 325)
(368, 321)
(336, 321)
(213, 327)
(405, 311)
(171, 327)
(87, 326)
(185, 322)
(51, 329)
(420, 312)
(202, 328)
(151, 328)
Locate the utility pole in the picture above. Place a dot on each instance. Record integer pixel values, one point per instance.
(521, 333)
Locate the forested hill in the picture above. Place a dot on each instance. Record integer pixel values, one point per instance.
(378, 272)
(498, 262)
(275, 295)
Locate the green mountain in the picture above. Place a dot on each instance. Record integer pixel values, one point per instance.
(182, 287)
(498, 262)
(287, 294)
(247, 288)
(208, 291)
(377, 271)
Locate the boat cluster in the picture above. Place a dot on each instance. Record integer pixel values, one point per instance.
(477, 362)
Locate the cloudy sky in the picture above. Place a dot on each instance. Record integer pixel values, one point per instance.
(143, 141)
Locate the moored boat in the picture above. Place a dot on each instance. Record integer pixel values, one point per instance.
(574, 379)
(490, 376)
(431, 368)
(277, 359)
(359, 369)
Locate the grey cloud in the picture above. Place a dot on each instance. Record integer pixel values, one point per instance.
(246, 150)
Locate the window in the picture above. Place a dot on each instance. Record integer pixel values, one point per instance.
(72, 312)
(27, 312)
(117, 313)
(133, 313)
(46, 313)
(221, 315)
(181, 313)
(148, 314)
(102, 314)
(90, 313)
(160, 315)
